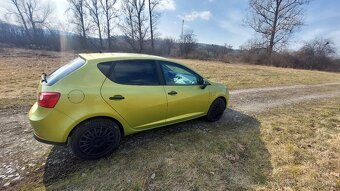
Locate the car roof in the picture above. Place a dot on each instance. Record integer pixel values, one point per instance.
(96, 56)
(126, 56)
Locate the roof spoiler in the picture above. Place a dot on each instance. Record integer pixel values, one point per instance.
(82, 57)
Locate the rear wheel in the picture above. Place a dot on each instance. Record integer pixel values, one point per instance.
(95, 138)
(216, 110)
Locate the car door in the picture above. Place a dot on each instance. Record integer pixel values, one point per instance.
(186, 98)
(134, 90)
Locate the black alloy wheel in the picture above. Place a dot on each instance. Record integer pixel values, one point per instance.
(95, 138)
(216, 110)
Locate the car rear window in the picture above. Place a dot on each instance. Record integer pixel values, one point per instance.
(64, 71)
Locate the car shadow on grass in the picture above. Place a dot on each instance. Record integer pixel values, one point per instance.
(228, 154)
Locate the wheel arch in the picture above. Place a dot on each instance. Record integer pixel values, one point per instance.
(223, 98)
(217, 97)
(121, 128)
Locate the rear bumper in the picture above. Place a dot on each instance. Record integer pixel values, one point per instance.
(50, 125)
(48, 142)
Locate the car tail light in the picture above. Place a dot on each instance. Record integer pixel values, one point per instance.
(48, 99)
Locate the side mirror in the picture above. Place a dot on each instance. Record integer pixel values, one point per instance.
(205, 83)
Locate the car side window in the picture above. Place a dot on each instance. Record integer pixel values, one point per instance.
(135, 72)
(105, 68)
(175, 74)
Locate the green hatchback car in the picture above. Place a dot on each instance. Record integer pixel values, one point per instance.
(96, 99)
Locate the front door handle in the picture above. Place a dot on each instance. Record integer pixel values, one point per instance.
(172, 93)
(117, 97)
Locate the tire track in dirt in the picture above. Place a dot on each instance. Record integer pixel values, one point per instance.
(254, 90)
(260, 99)
(259, 107)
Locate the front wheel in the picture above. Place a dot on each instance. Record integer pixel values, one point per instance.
(216, 110)
(95, 138)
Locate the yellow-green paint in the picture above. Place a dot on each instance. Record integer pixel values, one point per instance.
(85, 93)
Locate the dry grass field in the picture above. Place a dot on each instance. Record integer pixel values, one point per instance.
(241, 76)
(20, 72)
(272, 137)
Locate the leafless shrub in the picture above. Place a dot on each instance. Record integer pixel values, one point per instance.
(317, 55)
(168, 46)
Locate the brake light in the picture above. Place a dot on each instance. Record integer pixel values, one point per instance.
(48, 99)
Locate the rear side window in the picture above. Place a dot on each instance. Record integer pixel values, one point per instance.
(135, 72)
(105, 68)
(64, 71)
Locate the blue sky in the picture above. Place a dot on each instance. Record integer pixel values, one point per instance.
(221, 21)
(224, 23)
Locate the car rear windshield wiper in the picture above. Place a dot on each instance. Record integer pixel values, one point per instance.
(43, 77)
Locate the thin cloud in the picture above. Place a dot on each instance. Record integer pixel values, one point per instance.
(167, 5)
(234, 28)
(233, 23)
(194, 15)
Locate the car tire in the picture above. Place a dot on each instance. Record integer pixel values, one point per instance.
(216, 110)
(95, 138)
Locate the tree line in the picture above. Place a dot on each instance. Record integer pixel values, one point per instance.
(93, 25)
(132, 26)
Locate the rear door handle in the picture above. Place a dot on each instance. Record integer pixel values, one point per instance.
(117, 97)
(172, 93)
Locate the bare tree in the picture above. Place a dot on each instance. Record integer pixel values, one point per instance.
(110, 14)
(95, 12)
(127, 24)
(19, 13)
(77, 7)
(134, 23)
(214, 50)
(167, 45)
(31, 15)
(319, 47)
(36, 15)
(188, 43)
(227, 48)
(141, 19)
(154, 19)
(275, 20)
(316, 54)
